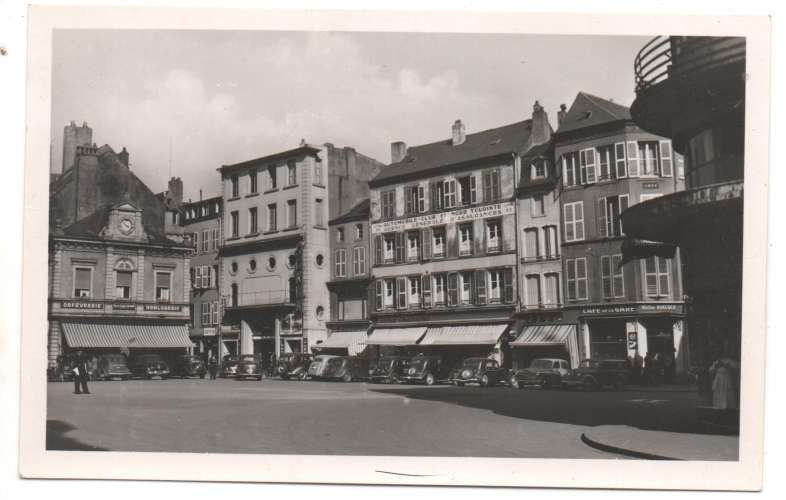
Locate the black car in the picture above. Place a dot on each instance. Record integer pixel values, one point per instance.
(249, 366)
(294, 365)
(188, 366)
(594, 374)
(345, 368)
(426, 370)
(542, 372)
(482, 371)
(109, 366)
(229, 366)
(388, 369)
(148, 366)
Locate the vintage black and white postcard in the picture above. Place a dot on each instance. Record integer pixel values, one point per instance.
(395, 247)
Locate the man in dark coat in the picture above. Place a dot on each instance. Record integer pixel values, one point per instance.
(81, 374)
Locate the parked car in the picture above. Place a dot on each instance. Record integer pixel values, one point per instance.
(543, 372)
(594, 374)
(482, 371)
(294, 365)
(148, 366)
(345, 368)
(188, 366)
(229, 366)
(111, 366)
(249, 366)
(318, 366)
(388, 369)
(426, 370)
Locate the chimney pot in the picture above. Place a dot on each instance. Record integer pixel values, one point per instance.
(563, 110)
(540, 130)
(459, 135)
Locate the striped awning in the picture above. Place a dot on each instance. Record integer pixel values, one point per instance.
(125, 335)
(396, 336)
(353, 341)
(550, 335)
(464, 335)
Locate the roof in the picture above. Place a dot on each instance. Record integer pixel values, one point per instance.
(507, 139)
(269, 158)
(588, 110)
(361, 211)
(91, 226)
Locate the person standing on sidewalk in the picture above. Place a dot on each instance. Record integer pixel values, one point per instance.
(212, 367)
(81, 374)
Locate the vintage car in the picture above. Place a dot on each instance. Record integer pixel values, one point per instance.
(294, 365)
(388, 369)
(482, 371)
(318, 366)
(345, 368)
(543, 372)
(188, 366)
(426, 370)
(594, 374)
(109, 366)
(249, 366)
(148, 366)
(229, 366)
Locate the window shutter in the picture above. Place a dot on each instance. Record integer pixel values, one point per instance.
(602, 230)
(212, 277)
(409, 199)
(421, 199)
(379, 257)
(570, 276)
(663, 276)
(425, 287)
(578, 215)
(581, 278)
(623, 207)
(591, 161)
(401, 292)
(198, 276)
(401, 242)
(651, 276)
(192, 273)
(379, 291)
(480, 238)
(582, 167)
(473, 189)
(480, 287)
(452, 289)
(425, 244)
(665, 159)
(486, 184)
(570, 230)
(605, 271)
(507, 278)
(633, 158)
(496, 191)
(616, 271)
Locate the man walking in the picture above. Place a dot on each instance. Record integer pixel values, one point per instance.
(212, 366)
(81, 374)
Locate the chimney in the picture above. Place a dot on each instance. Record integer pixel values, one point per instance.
(458, 133)
(123, 157)
(73, 136)
(541, 130)
(174, 196)
(398, 150)
(563, 110)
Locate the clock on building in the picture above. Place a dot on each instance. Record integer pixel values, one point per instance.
(126, 226)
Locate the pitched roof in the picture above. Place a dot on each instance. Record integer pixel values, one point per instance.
(507, 139)
(361, 211)
(588, 110)
(91, 226)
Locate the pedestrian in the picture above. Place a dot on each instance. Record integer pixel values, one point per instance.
(81, 374)
(724, 390)
(638, 361)
(212, 366)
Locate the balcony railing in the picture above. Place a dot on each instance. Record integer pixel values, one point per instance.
(668, 57)
(263, 298)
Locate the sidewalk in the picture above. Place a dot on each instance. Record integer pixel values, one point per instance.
(661, 445)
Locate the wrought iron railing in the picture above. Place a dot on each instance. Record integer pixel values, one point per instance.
(667, 57)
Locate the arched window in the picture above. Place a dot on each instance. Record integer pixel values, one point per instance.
(124, 265)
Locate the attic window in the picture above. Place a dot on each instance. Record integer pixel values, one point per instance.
(585, 116)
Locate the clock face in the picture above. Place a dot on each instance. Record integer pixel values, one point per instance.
(126, 226)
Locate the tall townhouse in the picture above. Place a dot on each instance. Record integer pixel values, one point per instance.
(201, 222)
(443, 223)
(350, 276)
(118, 262)
(623, 308)
(275, 260)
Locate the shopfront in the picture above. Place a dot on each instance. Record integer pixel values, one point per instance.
(555, 340)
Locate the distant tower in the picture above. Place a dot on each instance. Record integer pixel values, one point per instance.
(74, 136)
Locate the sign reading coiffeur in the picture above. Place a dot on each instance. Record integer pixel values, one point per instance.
(441, 218)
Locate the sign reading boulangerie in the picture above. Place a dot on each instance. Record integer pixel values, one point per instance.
(438, 219)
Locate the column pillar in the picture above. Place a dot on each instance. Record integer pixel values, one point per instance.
(246, 338)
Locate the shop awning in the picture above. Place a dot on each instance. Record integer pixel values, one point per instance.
(353, 341)
(550, 335)
(464, 335)
(116, 335)
(396, 336)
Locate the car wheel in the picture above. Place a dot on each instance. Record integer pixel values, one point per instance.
(514, 384)
(484, 381)
(302, 376)
(347, 377)
(430, 379)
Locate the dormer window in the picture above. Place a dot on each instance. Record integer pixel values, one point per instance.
(538, 169)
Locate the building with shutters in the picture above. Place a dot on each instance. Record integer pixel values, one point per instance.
(276, 255)
(201, 221)
(119, 276)
(622, 308)
(350, 276)
(444, 239)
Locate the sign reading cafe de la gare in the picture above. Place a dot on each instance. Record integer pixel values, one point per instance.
(455, 216)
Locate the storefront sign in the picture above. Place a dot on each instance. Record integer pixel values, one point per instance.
(438, 219)
(162, 307)
(82, 305)
(650, 185)
(609, 310)
(632, 309)
(661, 308)
(123, 307)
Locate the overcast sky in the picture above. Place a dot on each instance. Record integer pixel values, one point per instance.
(221, 97)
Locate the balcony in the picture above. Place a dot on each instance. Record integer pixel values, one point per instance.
(266, 298)
(682, 79)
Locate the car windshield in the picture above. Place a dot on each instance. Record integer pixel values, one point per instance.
(418, 363)
(336, 362)
(541, 363)
(385, 363)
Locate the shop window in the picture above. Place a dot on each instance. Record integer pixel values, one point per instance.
(608, 339)
(574, 221)
(656, 276)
